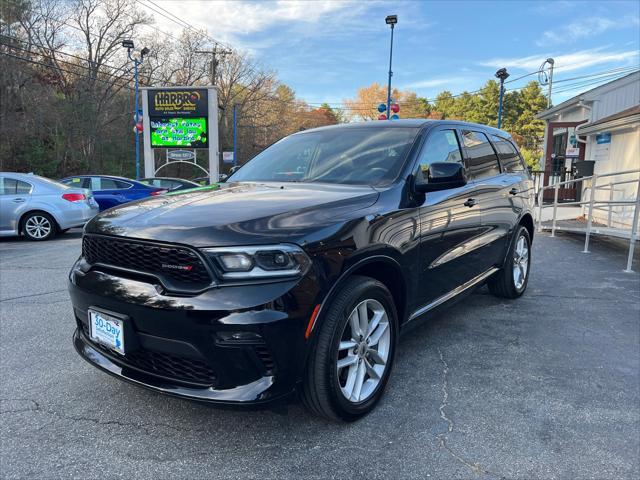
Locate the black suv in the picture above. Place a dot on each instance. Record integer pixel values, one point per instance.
(300, 272)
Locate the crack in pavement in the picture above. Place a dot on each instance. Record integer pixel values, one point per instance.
(442, 436)
(32, 295)
(145, 427)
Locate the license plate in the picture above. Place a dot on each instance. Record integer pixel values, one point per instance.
(107, 330)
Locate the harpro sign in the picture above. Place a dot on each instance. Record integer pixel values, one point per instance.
(190, 102)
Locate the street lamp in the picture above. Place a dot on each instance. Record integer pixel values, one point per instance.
(502, 75)
(390, 20)
(128, 44)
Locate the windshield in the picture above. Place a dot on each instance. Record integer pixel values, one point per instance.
(365, 156)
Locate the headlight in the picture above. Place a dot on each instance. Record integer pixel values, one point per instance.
(259, 262)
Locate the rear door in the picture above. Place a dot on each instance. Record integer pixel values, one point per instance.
(512, 192)
(449, 221)
(109, 192)
(492, 189)
(15, 196)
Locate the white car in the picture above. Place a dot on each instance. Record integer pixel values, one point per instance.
(38, 207)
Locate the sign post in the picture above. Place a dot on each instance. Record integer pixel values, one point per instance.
(183, 118)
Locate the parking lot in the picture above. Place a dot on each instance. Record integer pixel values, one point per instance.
(546, 386)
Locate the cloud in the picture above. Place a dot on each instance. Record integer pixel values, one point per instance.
(585, 28)
(227, 21)
(433, 82)
(567, 62)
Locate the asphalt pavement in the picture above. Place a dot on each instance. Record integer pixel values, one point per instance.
(547, 386)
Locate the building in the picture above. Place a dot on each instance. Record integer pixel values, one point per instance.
(601, 126)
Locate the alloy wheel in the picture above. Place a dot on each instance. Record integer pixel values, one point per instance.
(38, 226)
(520, 262)
(363, 352)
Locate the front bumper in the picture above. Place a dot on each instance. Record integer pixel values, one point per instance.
(254, 392)
(184, 346)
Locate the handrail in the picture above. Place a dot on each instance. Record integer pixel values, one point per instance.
(597, 205)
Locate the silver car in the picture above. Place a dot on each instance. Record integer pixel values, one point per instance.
(39, 207)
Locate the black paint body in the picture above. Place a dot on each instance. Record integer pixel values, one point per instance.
(422, 246)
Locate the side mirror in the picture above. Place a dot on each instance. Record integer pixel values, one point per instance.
(441, 176)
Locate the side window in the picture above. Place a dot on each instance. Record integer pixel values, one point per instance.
(78, 182)
(441, 146)
(509, 157)
(482, 162)
(7, 186)
(121, 185)
(22, 188)
(98, 183)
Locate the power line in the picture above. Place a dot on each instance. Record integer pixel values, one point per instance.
(182, 23)
(61, 69)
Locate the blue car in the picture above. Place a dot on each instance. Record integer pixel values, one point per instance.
(111, 191)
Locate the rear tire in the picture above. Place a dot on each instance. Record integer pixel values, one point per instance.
(511, 281)
(352, 359)
(38, 226)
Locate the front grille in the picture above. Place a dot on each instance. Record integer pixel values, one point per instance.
(169, 366)
(147, 257)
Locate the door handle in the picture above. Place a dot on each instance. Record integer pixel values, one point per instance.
(18, 200)
(470, 202)
(513, 191)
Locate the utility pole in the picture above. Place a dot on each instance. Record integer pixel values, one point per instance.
(390, 20)
(550, 61)
(502, 75)
(128, 44)
(213, 68)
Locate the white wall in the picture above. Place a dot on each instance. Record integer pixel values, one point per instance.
(623, 153)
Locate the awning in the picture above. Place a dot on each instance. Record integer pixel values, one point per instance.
(624, 119)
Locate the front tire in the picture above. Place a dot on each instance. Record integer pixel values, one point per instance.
(350, 364)
(38, 226)
(512, 280)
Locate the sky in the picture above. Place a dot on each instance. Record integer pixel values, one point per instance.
(326, 50)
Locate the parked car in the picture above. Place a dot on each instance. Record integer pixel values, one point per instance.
(110, 191)
(38, 207)
(170, 184)
(278, 281)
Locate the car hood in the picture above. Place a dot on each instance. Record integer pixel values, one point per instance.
(236, 214)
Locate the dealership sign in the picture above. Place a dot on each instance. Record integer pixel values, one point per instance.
(190, 102)
(181, 155)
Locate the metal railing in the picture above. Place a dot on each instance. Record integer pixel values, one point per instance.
(595, 204)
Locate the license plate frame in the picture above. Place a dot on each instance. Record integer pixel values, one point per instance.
(107, 329)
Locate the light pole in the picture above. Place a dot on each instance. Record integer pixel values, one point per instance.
(390, 20)
(128, 44)
(502, 75)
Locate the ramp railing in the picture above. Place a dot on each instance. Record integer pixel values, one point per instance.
(618, 210)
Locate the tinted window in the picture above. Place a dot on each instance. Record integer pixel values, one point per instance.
(122, 185)
(482, 161)
(22, 187)
(441, 146)
(98, 183)
(7, 186)
(508, 154)
(372, 156)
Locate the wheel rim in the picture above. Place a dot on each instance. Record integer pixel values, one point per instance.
(363, 352)
(520, 262)
(38, 226)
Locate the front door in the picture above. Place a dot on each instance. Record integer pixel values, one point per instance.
(449, 221)
(562, 152)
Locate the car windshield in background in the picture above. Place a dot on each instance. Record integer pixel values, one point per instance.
(366, 156)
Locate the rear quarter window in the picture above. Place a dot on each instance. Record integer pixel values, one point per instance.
(508, 154)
